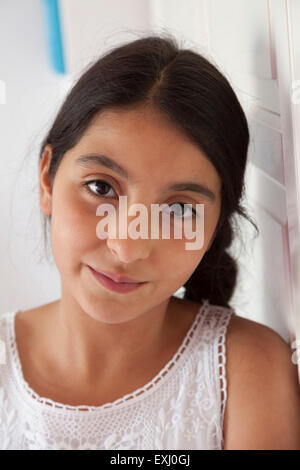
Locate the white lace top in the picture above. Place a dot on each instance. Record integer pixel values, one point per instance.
(182, 407)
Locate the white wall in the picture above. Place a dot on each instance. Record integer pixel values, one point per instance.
(90, 25)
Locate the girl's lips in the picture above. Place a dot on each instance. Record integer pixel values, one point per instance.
(115, 286)
(117, 277)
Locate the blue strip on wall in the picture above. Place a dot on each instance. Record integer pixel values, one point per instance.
(53, 35)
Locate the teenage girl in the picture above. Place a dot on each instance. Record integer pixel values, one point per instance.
(119, 361)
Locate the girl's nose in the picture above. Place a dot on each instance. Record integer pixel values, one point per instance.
(128, 245)
(128, 250)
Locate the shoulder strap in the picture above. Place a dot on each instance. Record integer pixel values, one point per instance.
(217, 322)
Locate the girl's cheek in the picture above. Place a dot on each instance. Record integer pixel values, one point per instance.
(71, 229)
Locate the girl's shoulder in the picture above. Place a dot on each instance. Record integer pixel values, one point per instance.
(246, 340)
(261, 376)
(242, 331)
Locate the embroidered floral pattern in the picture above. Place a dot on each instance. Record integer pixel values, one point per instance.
(179, 409)
(8, 421)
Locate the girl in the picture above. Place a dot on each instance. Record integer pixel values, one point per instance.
(119, 361)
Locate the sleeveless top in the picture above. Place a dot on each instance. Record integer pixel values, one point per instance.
(182, 407)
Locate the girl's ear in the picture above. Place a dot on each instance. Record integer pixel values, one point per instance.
(44, 181)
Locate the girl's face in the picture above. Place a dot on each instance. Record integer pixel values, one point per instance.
(154, 155)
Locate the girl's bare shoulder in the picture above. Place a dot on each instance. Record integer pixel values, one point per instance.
(243, 333)
(262, 389)
(248, 341)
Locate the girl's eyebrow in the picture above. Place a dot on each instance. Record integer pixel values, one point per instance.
(195, 187)
(86, 161)
(101, 160)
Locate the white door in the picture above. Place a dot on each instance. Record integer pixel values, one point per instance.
(256, 45)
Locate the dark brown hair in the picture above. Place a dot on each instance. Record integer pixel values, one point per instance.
(197, 98)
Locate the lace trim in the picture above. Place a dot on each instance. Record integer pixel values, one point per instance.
(221, 363)
(167, 371)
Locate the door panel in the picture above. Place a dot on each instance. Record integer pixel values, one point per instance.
(257, 47)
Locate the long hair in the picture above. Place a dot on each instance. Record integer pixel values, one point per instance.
(198, 99)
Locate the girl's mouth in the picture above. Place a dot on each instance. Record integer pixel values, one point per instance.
(121, 287)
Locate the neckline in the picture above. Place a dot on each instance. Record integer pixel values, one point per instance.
(34, 399)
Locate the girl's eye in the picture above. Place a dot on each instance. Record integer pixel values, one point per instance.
(179, 207)
(102, 187)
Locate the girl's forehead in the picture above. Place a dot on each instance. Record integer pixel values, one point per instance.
(137, 142)
(138, 124)
(137, 134)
